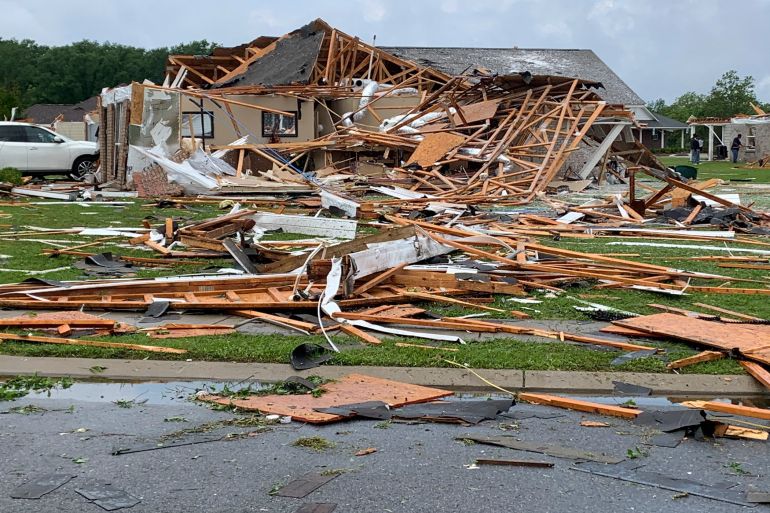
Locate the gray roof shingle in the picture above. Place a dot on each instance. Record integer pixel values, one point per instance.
(583, 64)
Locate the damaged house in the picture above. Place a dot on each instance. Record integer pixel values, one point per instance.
(317, 106)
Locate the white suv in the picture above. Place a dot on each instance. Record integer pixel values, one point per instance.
(33, 149)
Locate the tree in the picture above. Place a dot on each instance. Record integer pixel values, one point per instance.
(32, 73)
(10, 97)
(731, 95)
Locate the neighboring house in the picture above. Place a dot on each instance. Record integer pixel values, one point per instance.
(653, 132)
(77, 121)
(576, 63)
(755, 132)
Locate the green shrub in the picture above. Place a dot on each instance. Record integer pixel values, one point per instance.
(10, 175)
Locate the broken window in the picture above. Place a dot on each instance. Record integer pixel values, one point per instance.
(203, 124)
(751, 138)
(279, 125)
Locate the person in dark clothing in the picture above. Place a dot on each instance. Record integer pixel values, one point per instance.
(695, 148)
(735, 147)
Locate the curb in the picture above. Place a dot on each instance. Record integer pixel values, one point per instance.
(456, 379)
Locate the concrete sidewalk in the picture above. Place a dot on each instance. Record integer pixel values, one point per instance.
(454, 378)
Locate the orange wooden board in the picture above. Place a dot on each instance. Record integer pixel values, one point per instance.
(434, 147)
(351, 389)
(752, 340)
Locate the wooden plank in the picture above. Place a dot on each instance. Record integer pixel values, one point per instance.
(705, 356)
(423, 346)
(575, 404)
(53, 323)
(750, 339)
(91, 343)
(359, 333)
(758, 372)
(728, 312)
(734, 409)
(378, 279)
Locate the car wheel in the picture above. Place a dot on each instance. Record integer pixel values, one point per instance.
(82, 166)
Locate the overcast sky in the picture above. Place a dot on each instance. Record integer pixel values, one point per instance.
(661, 48)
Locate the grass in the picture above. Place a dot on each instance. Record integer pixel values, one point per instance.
(723, 169)
(506, 353)
(315, 443)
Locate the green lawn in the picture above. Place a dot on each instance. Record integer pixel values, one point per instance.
(723, 169)
(492, 354)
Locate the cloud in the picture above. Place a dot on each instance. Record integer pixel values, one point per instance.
(763, 89)
(374, 10)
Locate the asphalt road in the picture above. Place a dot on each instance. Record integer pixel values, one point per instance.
(417, 467)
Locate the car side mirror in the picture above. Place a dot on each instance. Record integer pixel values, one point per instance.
(58, 140)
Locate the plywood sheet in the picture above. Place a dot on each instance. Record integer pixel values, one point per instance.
(434, 147)
(752, 340)
(351, 389)
(477, 112)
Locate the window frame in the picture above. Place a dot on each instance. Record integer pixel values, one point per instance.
(267, 134)
(196, 123)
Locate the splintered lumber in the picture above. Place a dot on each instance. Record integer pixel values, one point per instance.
(423, 346)
(54, 323)
(751, 340)
(705, 356)
(575, 404)
(90, 343)
(728, 312)
(758, 372)
(475, 325)
(351, 389)
(734, 409)
(357, 332)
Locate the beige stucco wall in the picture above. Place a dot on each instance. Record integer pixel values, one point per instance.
(250, 120)
(75, 130)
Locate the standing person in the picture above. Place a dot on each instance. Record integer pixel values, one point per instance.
(694, 150)
(735, 147)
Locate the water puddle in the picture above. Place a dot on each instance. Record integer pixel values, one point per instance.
(175, 392)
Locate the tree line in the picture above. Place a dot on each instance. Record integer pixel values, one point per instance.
(731, 95)
(31, 73)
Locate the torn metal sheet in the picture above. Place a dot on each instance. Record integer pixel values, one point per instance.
(633, 473)
(330, 308)
(40, 485)
(399, 193)
(387, 255)
(557, 451)
(107, 496)
(324, 226)
(305, 485)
